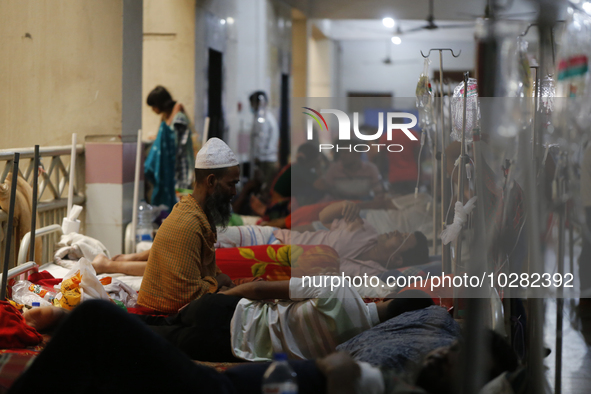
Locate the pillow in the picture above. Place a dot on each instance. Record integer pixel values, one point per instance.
(275, 262)
(271, 262)
(402, 342)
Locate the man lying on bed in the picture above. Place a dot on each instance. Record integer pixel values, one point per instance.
(150, 364)
(361, 249)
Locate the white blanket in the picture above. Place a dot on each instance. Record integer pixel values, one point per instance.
(241, 236)
(74, 246)
(411, 215)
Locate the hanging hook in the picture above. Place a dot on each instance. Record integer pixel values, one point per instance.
(441, 50)
(527, 29)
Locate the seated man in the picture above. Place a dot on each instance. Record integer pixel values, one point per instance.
(181, 264)
(95, 327)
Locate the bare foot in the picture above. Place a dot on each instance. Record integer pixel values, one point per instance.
(102, 265)
(257, 205)
(45, 317)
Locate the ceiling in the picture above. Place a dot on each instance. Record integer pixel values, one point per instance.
(451, 10)
(372, 29)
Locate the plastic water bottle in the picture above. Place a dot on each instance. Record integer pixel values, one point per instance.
(144, 227)
(279, 377)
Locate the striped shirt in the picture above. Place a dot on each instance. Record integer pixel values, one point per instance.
(311, 327)
(181, 265)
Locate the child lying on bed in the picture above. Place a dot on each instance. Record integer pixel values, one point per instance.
(147, 363)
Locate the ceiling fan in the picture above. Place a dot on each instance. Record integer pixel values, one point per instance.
(388, 59)
(431, 25)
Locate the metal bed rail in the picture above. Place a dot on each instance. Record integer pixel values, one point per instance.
(52, 190)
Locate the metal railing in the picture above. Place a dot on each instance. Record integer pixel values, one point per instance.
(52, 196)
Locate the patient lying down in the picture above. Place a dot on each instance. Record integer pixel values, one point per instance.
(361, 249)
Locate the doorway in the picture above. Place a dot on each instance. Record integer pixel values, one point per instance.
(214, 94)
(284, 138)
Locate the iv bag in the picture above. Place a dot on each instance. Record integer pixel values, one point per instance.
(524, 71)
(472, 110)
(424, 97)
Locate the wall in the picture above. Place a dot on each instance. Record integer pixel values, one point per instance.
(110, 164)
(169, 56)
(299, 40)
(60, 70)
(321, 55)
(362, 69)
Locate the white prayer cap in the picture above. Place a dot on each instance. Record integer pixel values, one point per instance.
(215, 154)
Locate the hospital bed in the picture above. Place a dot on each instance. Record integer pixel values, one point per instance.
(58, 270)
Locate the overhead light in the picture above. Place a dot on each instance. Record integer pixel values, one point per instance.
(388, 22)
(396, 40)
(222, 21)
(587, 7)
(261, 120)
(230, 20)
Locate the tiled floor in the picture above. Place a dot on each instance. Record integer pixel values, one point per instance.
(576, 360)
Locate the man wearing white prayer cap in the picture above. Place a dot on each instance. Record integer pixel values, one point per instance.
(181, 264)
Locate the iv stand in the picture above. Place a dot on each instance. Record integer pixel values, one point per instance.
(445, 250)
(462, 170)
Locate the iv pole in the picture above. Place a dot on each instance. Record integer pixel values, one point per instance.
(462, 169)
(445, 195)
(547, 12)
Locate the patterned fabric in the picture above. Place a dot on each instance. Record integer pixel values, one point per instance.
(159, 167)
(275, 262)
(185, 156)
(401, 342)
(181, 266)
